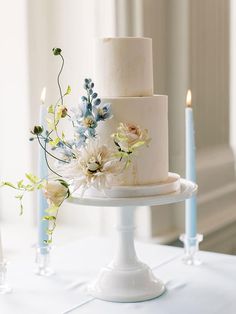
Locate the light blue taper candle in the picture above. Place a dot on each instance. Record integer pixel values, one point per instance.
(43, 173)
(190, 204)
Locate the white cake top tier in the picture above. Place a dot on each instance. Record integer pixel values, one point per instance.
(123, 66)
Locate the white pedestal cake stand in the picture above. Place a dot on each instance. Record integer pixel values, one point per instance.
(126, 278)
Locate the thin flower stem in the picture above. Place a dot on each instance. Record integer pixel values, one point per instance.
(46, 159)
(60, 99)
(71, 120)
(46, 151)
(58, 78)
(51, 229)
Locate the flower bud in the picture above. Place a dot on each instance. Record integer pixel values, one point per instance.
(56, 51)
(64, 112)
(94, 95)
(97, 102)
(56, 191)
(37, 130)
(83, 98)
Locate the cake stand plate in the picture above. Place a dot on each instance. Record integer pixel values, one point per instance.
(170, 185)
(126, 278)
(187, 189)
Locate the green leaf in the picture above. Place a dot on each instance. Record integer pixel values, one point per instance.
(40, 186)
(54, 142)
(52, 209)
(9, 184)
(32, 178)
(137, 145)
(19, 196)
(47, 241)
(120, 137)
(51, 109)
(68, 91)
(121, 155)
(20, 184)
(127, 163)
(50, 218)
(58, 114)
(51, 124)
(29, 188)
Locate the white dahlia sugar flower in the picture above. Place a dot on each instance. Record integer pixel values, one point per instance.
(130, 136)
(95, 165)
(56, 192)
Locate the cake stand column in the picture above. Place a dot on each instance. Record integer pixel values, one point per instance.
(126, 279)
(125, 255)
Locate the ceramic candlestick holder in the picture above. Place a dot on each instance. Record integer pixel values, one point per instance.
(43, 261)
(191, 248)
(4, 287)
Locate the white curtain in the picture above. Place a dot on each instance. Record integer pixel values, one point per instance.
(15, 157)
(29, 31)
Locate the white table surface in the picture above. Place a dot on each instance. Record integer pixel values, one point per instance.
(206, 289)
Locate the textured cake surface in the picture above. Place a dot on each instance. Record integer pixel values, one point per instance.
(150, 164)
(123, 74)
(123, 66)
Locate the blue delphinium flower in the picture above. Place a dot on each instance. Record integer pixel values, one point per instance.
(88, 122)
(102, 112)
(85, 118)
(80, 136)
(97, 102)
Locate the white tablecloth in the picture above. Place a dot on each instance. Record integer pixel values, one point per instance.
(207, 289)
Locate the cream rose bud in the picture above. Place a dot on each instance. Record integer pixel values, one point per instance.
(55, 192)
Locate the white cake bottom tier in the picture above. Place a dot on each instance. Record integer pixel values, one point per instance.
(171, 185)
(150, 164)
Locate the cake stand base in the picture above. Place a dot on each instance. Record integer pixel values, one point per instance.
(126, 279)
(126, 285)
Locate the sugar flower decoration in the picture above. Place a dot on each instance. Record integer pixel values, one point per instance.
(56, 191)
(81, 160)
(94, 165)
(129, 137)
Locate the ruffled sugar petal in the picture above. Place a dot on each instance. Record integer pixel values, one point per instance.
(94, 165)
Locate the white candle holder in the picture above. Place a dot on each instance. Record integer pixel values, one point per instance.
(126, 278)
(191, 248)
(4, 287)
(43, 261)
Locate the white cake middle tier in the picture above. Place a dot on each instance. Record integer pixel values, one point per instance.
(150, 165)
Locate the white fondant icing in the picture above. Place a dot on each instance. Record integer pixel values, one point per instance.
(150, 163)
(172, 184)
(123, 66)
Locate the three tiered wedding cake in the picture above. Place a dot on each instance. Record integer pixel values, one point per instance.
(123, 74)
